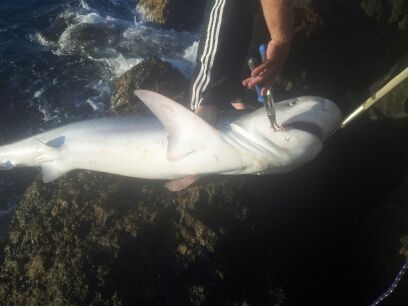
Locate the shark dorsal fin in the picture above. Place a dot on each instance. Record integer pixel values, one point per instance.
(187, 132)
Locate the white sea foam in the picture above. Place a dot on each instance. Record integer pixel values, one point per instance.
(97, 102)
(38, 93)
(85, 5)
(115, 46)
(39, 37)
(119, 64)
(190, 53)
(47, 113)
(121, 44)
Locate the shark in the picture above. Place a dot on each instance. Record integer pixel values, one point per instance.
(173, 143)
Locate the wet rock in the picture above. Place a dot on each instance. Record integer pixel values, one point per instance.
(54, 31)
(152, 74)
(89, 39)
(176, 14)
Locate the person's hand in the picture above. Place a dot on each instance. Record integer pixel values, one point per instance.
(265, 74)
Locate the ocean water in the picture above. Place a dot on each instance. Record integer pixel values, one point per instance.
(59, 60)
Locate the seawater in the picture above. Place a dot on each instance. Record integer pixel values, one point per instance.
(59, 61)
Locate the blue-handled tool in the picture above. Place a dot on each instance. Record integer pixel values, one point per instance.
(269, 101)
(262, 51)
(252, 63)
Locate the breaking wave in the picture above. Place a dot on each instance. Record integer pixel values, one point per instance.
(119, 42)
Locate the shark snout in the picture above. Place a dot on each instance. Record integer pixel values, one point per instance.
(331, 118)
(322, 118)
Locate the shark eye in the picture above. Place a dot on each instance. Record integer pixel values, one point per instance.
(294, 102)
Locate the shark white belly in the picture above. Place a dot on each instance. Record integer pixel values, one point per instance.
(177, 143)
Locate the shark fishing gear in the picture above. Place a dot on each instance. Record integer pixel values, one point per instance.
(394, 285)
(394, 82)
(267, 101)
(376, 96)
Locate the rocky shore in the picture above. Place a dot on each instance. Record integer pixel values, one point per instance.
(333, 232)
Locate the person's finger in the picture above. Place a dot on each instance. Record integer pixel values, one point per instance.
(246, 81)
(260, 69)
(264, 91)
(254, 81)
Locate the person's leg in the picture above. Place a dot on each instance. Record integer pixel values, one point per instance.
(221, 54)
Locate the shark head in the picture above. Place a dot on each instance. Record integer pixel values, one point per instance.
(313, 115)
(306, 122)
(318, 116)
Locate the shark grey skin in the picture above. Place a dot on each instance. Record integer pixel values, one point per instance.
(178, 145)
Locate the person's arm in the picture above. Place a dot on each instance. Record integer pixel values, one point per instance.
(278, 16)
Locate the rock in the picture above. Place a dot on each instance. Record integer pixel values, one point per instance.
(373, 8)
(152, 74)
(392, 11)
(154, 11)
(84, 238)
(54, 31)
(307, 20)
(403, 24)
(398, 9)
(87, 236)
(92, 39)
(175, 14)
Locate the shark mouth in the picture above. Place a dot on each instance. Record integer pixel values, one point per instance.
(308, 127)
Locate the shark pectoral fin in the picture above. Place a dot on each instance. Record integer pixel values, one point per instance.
(176, 150)
(182, 183)
(51, 171)
(187, 132)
